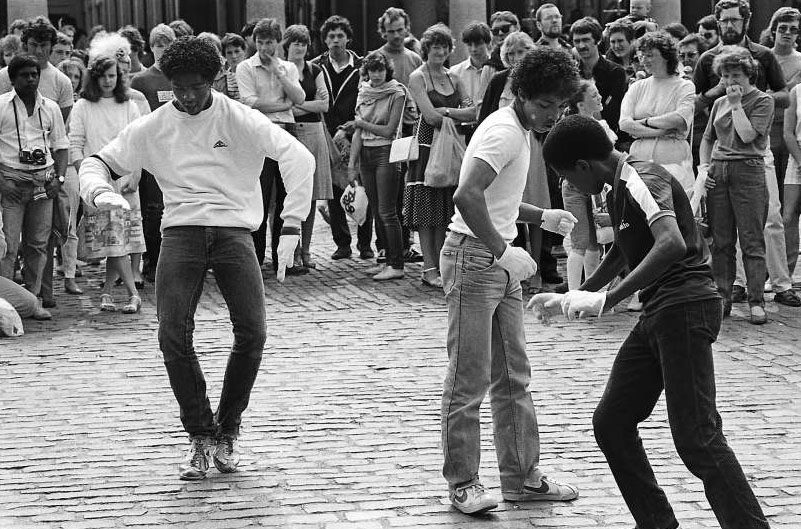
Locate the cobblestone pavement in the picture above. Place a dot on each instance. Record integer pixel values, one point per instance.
(343, 425)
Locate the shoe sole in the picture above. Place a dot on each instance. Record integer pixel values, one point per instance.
(185, 477)
(523, 497)
(480, 510)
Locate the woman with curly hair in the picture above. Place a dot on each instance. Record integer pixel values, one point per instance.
(438, 94)
(658, 111)
(103, 110)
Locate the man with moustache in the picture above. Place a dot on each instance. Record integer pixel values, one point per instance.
(481, 273)
(733, 17)
(549, 22)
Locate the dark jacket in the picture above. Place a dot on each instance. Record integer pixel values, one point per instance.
(343, 87)
(492, 97)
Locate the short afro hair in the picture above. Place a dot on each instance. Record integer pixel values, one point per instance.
(575, 138)
(191, 55)
(18, 62)
(545, 70)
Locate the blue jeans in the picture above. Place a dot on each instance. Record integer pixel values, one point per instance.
(486, 351)
(672, 350)
(738, 207)
(33, 220)
(381, 181)
(186, 253)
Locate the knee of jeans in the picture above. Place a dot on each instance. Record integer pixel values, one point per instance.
(250, 341)
(694, 442)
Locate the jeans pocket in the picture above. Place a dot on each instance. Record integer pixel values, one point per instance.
(447, 269)
(477, 263)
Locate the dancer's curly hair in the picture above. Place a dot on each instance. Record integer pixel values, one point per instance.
(191, 55)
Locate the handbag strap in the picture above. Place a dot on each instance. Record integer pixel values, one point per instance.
(403, 111)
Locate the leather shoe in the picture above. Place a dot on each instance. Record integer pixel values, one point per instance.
(787, 297)
(71, 287)
(341, 253)
(366, 253)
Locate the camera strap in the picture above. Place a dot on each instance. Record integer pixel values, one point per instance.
(16, 123)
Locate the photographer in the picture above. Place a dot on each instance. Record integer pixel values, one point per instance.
(33, 160)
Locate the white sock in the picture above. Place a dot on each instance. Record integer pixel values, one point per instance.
(592, 258)
(575, 265)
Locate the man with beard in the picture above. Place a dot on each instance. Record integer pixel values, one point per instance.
(549, 22)
(733, 17)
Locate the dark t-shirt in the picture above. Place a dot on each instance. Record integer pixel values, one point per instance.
(770, 73)
(642, 193)
(154, 85)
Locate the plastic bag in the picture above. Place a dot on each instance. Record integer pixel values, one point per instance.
(10, 322)
(354, 202)
(445, 159)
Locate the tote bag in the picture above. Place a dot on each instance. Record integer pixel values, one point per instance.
(445, 159)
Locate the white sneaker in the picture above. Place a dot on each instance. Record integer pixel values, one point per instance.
(473, 499)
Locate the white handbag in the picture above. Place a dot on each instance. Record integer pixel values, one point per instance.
(404, 149)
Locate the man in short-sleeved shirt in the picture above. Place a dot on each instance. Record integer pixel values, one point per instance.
(670, 347)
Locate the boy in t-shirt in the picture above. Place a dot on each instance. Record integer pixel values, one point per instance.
(670, 347)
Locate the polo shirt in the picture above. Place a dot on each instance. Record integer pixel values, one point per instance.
(255, 83)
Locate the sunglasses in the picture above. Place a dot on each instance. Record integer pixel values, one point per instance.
(785, 29)
(501, 30)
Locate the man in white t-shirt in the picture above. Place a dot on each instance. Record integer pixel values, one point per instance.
(212, 203)
(481, 273)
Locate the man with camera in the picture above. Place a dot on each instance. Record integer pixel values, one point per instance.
(33, 160)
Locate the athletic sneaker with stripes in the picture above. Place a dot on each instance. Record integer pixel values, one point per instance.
(545, 490)
(195, 465)
(473, 499)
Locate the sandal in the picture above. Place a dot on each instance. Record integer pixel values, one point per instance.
(133, 305)
(433, 280)
(107, 303)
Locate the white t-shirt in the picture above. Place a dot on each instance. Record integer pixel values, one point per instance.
(502, 142)
(208, 165)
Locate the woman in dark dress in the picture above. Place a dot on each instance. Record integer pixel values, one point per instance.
(437, 93)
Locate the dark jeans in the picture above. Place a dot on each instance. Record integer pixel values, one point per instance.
(186, 253)
(380, 179)
(340, 230)
(738, 207)
(152, 204)
(781, 156)
(270, 176)
(672, 350)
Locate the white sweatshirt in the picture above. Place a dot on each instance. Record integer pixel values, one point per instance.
(207, 165)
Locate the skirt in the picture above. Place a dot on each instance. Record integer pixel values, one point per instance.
(423, 206)
(312, 137)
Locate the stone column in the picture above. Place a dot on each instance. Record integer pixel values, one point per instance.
(26, 9)
(666, 11)
(463, 12)
(267, 8)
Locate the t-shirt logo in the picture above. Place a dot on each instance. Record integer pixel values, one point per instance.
(623, 226)
(220, 143)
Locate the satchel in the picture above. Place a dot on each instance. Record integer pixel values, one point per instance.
(445, 159)
(404, 149)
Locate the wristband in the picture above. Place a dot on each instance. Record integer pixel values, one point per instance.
(290, 231)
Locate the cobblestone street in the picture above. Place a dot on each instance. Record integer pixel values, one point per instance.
(343, 427)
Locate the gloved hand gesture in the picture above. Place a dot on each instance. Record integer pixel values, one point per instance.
(543, 304)
(558, 221)
(110, 200)
(583, 303)
(286, 254)
(518, 263)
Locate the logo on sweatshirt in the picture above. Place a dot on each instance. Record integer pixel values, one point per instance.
(623, 226)
(220, 143)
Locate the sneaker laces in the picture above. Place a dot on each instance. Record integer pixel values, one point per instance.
(198, 452)
(227, 443)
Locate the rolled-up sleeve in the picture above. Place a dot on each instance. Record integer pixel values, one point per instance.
(246, 79)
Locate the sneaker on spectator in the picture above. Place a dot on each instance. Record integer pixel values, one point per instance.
(226, 453)
(544, 490)
(473, 499)
(196, 462)
(758, 315)
(787, 297)
(738, 294)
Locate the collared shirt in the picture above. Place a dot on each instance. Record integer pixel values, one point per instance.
(257, 83)
(53, 84)
(470, 76)
(44, 129)
(565, 45)
(338, 68)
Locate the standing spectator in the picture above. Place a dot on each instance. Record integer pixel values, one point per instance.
(622, 50)
(340, 68)
(158, 91)
(499, 90)
(206, 226)
(549, 22)
(482, 272)
(379, 110)
(61, 50)
(234, 50)
(708, 29)
(502, 24)
(10, 45)
(476, 36)
(33, 154)
(247, 34)
(17, 27)
(690, 49)
(610, 78)
(270, 85)
(792, 181)
(733, 149)
(181, 28)
(438, 94)
(658, 111)
(74, 69)
(137, 47)
(309, 131)
(103, 111)
(676, 30)
(734, 17)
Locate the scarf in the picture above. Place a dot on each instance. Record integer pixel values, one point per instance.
(369, 96)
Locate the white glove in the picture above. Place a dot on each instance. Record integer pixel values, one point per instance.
(518, 263)
(111, 200)
(583, 303)
(286, 254)
(542, 305)
(558, 221)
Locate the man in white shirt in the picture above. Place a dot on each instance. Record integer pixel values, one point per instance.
(271, 86)
(212, 203)
(33, 162)
(481, 274)
(477, 37)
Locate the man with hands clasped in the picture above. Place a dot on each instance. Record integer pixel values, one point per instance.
(481, 275)
(670, 347)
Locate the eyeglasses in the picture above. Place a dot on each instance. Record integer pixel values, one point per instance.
(792, 30)
(729, 21)
(501, 30)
